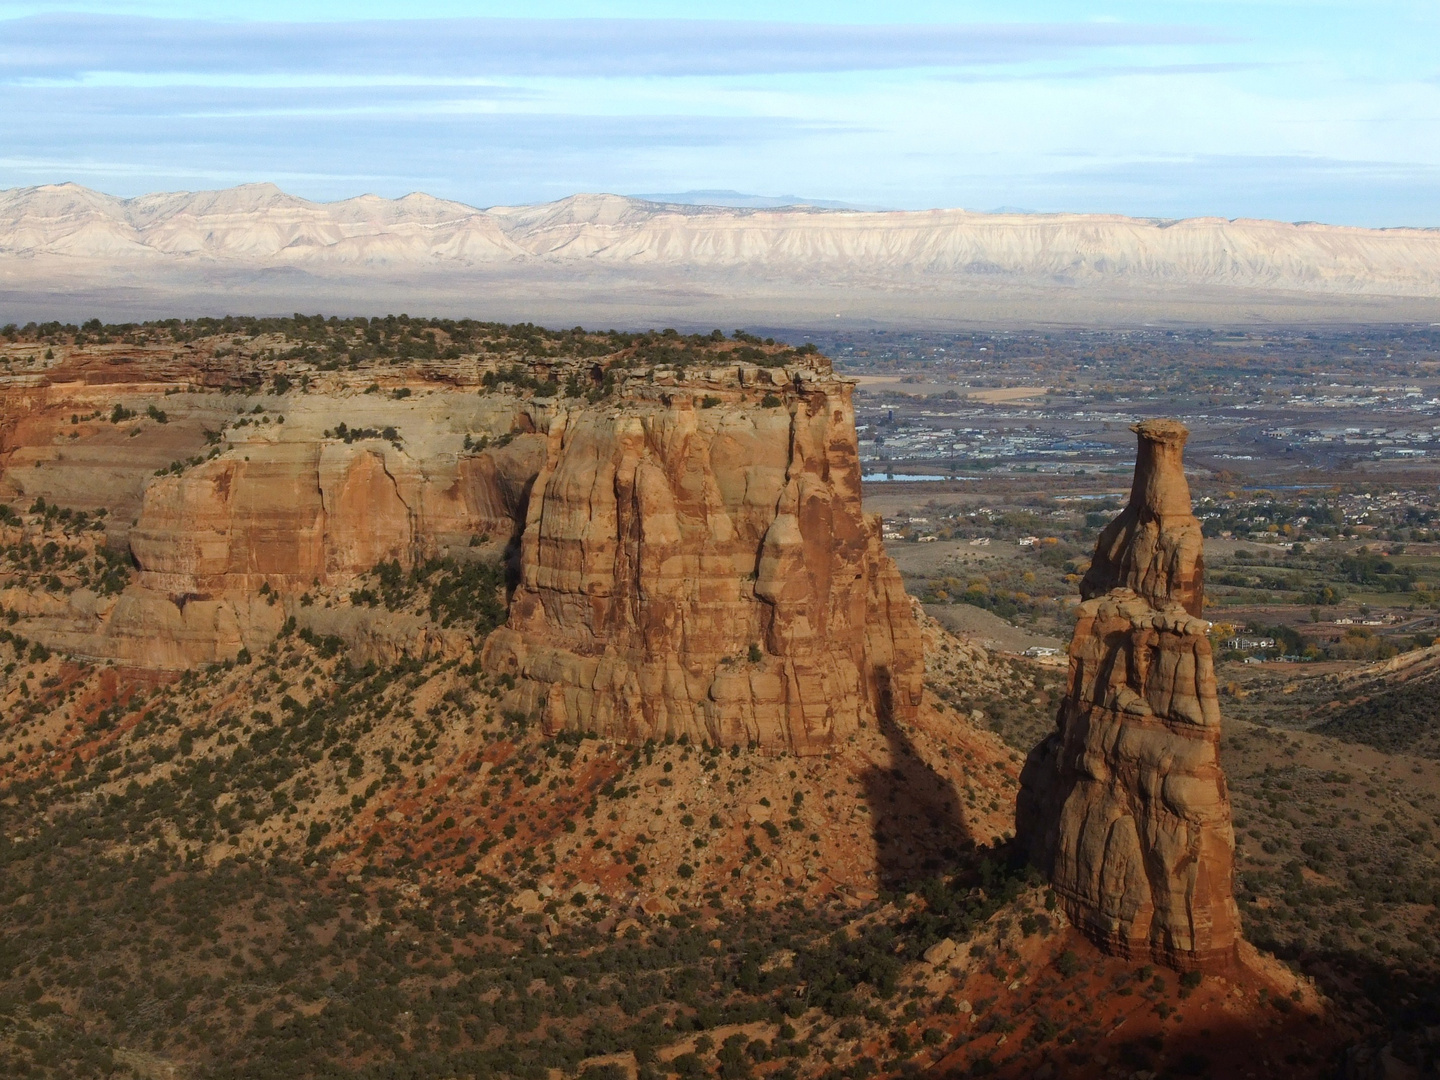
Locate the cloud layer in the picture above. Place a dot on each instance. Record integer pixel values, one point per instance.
(1301, 115)
(68, 46)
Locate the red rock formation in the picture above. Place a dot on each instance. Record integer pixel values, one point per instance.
(1125, 805)
(679, 523)
(708, 571)
(1154, 547)
(294, 513)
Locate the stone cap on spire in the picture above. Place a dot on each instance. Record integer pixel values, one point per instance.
(1154, 547)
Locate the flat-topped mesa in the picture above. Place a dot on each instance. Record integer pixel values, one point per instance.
(266, 477)
(698, 564)
(1124, 805)
(1155, 546)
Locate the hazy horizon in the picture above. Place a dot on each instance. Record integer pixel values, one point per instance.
(717, 199)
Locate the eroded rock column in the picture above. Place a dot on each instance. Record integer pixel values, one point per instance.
(705, 569)
(1125, 805)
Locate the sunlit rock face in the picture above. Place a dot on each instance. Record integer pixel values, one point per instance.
(684, 547)
(696, 562)
(1125, 805)
(1154, 547)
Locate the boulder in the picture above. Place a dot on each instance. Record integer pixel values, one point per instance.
(941, 952)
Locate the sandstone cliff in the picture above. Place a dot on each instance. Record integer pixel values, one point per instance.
(697, 563)
(686, 543)
(281, 501)
(1125, 805)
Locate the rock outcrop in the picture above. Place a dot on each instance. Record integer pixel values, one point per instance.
(1125, 805)
(686, 548)
(295, 514)
(1154, 547)
(697, 563)
(301, 508)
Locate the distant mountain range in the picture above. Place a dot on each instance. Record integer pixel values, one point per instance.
(725, 197)
(616, 260)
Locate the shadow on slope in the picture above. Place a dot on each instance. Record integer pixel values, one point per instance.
(918, 822)
(1403, 718)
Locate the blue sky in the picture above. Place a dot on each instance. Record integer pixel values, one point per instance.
(1292, 109)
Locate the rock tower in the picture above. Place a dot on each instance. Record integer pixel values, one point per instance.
(1124, 805)
(696, 562)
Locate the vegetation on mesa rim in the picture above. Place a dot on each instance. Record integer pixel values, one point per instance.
(334, 342)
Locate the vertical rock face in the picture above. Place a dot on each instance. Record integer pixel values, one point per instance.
(1125, 805)
(685, 547)
(302, 512)
(703, 570)
(1154, 547)
(300, 507)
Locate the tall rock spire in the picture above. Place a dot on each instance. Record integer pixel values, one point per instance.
(1125, 805)
(1154, 547)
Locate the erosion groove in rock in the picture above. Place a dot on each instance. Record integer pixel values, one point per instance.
(1125, 805)
(686, 545)
(707, 571)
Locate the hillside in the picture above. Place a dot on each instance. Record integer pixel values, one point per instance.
(422, 698)
(691, 263)
(297, 866)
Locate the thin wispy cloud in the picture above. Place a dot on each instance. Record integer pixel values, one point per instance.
(1298, 109)
(37, 107)
(59, 46)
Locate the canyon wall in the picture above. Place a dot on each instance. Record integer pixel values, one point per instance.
(697, 563)
(1125, 805)
(220, 494)
(687, 548)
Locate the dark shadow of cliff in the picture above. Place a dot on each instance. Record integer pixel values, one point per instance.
(510, 561)
(917, 815)
(510, 556)
(1394, 1004)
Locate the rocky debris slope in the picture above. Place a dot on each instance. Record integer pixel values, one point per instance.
(1125, 805)
(697, 563)
(428, 765)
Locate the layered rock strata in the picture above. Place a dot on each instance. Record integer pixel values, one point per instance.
(687, 545)
(1125, 805)
(297, 507)
(697, 563)
(281, 493)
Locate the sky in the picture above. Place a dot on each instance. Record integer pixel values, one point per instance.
(1325, 110)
